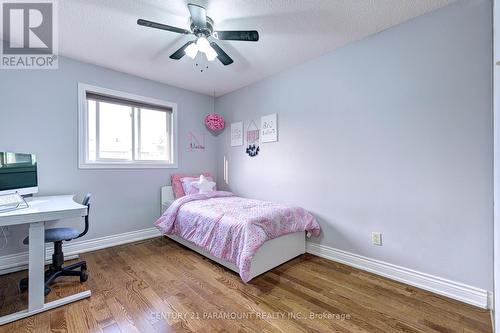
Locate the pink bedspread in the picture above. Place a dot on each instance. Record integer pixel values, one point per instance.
(230, 227)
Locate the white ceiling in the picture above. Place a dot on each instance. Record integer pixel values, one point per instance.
(104, 32)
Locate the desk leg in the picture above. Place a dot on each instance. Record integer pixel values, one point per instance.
(36, 288)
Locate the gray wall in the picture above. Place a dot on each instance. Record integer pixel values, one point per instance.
(38, 113)
(390, 134)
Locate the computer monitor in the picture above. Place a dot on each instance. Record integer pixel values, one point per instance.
(18, 173)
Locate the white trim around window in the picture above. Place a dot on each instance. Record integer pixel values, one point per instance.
(83, 138)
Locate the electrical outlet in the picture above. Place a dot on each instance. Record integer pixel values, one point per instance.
(377, 238)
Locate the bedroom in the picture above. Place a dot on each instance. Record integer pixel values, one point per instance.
(366, 206)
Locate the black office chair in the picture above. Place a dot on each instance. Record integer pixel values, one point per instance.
(56, 269)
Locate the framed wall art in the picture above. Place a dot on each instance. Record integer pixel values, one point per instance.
(269, 128)
(237, 134)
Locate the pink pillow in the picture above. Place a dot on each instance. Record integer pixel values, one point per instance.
(189, 188)
(177, 183)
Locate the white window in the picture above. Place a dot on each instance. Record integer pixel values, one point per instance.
(121, 130)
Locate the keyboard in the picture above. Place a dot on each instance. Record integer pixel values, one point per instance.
(10, 200)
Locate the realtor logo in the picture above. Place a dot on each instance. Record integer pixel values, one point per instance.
(29, 35)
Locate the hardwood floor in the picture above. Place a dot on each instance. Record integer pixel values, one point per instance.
(160, 286)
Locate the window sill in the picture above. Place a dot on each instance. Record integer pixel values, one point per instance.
(127, 166)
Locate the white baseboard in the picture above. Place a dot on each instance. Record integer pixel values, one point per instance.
(19, 261)
(78, 247)
(441, 286)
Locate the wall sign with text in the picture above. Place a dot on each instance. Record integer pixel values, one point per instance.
(269, 128)
(196, 142)
(237, 134)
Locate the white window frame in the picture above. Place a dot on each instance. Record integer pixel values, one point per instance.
(83, 148)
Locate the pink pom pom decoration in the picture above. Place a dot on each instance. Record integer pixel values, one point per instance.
(215, 123)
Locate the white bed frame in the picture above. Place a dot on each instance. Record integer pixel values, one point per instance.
(271, 254)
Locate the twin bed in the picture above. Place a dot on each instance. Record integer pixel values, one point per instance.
(247, 236)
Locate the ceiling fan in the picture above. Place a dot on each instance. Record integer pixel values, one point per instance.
(202, 27)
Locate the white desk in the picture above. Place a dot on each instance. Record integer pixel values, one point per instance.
(41, 210)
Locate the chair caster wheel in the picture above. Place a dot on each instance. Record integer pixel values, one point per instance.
(23, 284)
(84, 275)
(47, 291)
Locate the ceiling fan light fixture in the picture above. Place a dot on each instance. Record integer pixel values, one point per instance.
(211, 54)
(202, 26)
(192, 50)
(203, 44)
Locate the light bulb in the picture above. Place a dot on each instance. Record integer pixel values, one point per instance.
(211, 54)
(192, 50)
(203, 44)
